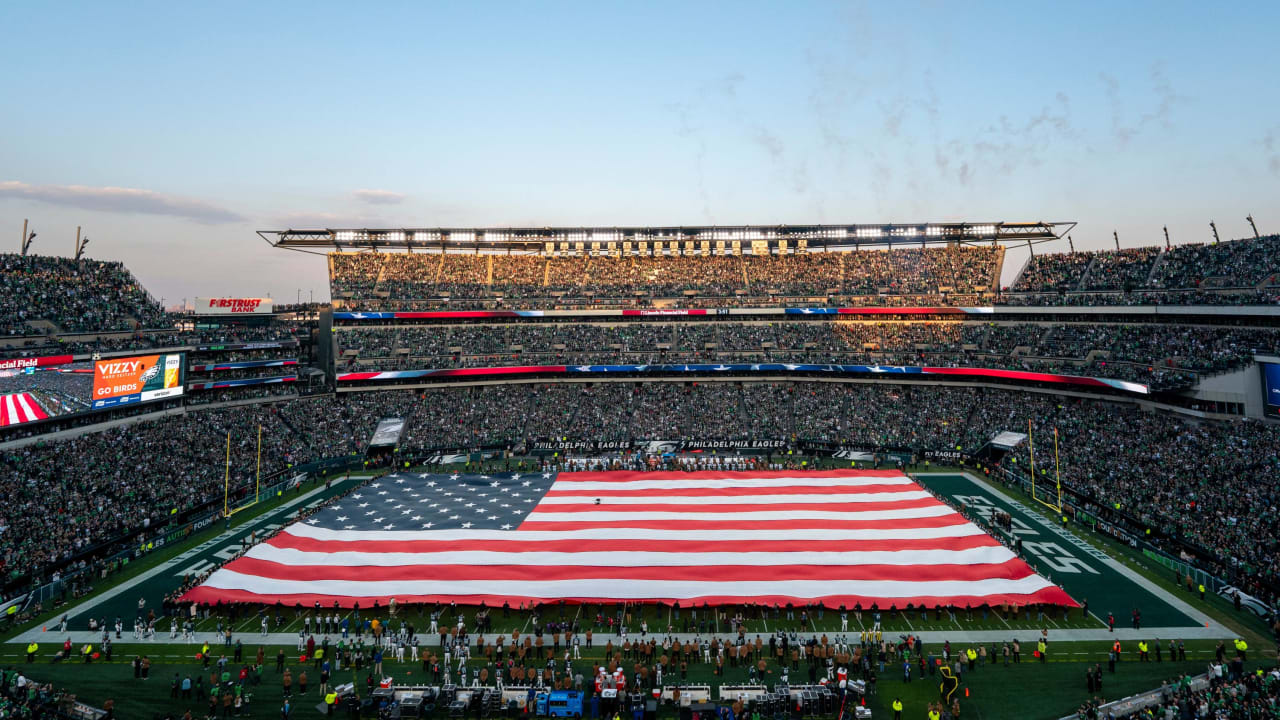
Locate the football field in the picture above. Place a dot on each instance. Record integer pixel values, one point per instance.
(1084, 571)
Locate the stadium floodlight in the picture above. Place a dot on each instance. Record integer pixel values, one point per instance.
(870, 232)
(422, 237)
(933, 231)
(493, 236)
(462, 236)
(982, 230)
(394, 236)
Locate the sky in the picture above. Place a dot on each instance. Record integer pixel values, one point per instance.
(172, 131)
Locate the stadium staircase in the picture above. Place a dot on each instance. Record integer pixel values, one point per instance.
(1155, 267)
(746, 281)
(1016, 278)
(993, 282)
(44, 327)
(297, 433)
(1045, 342)
(1084, 276)
(982, 339)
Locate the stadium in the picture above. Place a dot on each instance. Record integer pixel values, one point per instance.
(800, 471)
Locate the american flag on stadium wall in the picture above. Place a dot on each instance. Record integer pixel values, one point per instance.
(840, 537)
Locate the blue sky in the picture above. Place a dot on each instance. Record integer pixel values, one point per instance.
(171, 131)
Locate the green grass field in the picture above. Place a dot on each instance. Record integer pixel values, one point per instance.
(1027, 691)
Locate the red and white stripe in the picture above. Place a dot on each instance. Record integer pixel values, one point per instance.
(19, 408)
(839, 537)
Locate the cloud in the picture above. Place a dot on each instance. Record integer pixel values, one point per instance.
(319, 220)
(379, 197)
(1271, 142)
(121, 200)
(687, 129)
(1166, 100)
(771, 143)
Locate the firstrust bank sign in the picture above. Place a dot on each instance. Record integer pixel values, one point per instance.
(233, 306)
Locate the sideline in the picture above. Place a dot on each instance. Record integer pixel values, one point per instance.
(83, 609)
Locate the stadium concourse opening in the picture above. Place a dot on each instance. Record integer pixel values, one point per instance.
(864, 539)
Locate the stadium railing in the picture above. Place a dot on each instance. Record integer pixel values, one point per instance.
(1132, 704)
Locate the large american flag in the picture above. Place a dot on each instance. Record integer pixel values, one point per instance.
(839, 537)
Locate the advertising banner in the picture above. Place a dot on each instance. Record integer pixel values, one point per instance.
(30, 362)
(123, 381)
(916, 373)
(241, 365)
(242, 382)
(233, 306)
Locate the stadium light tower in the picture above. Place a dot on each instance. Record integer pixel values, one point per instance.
(1249, 217)
(26, 239)
(81, 243)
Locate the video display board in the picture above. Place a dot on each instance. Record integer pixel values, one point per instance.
(1270, 388)
(142, 378)
(39, 388)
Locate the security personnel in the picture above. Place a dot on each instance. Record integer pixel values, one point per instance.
(897, 709)
(31, 652)
(1201, 591)
(1042, 649)
(1142, 650)
(1241, 647)
(329, 701)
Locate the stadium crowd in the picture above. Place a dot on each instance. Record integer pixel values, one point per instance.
(73, 295)
(388, 278)
(1234, 272)
(1191, 481)
(87, 344)
(1238, 264)
(1229, 693)
(1161, 355)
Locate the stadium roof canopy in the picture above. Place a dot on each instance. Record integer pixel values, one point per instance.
(533, 239)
